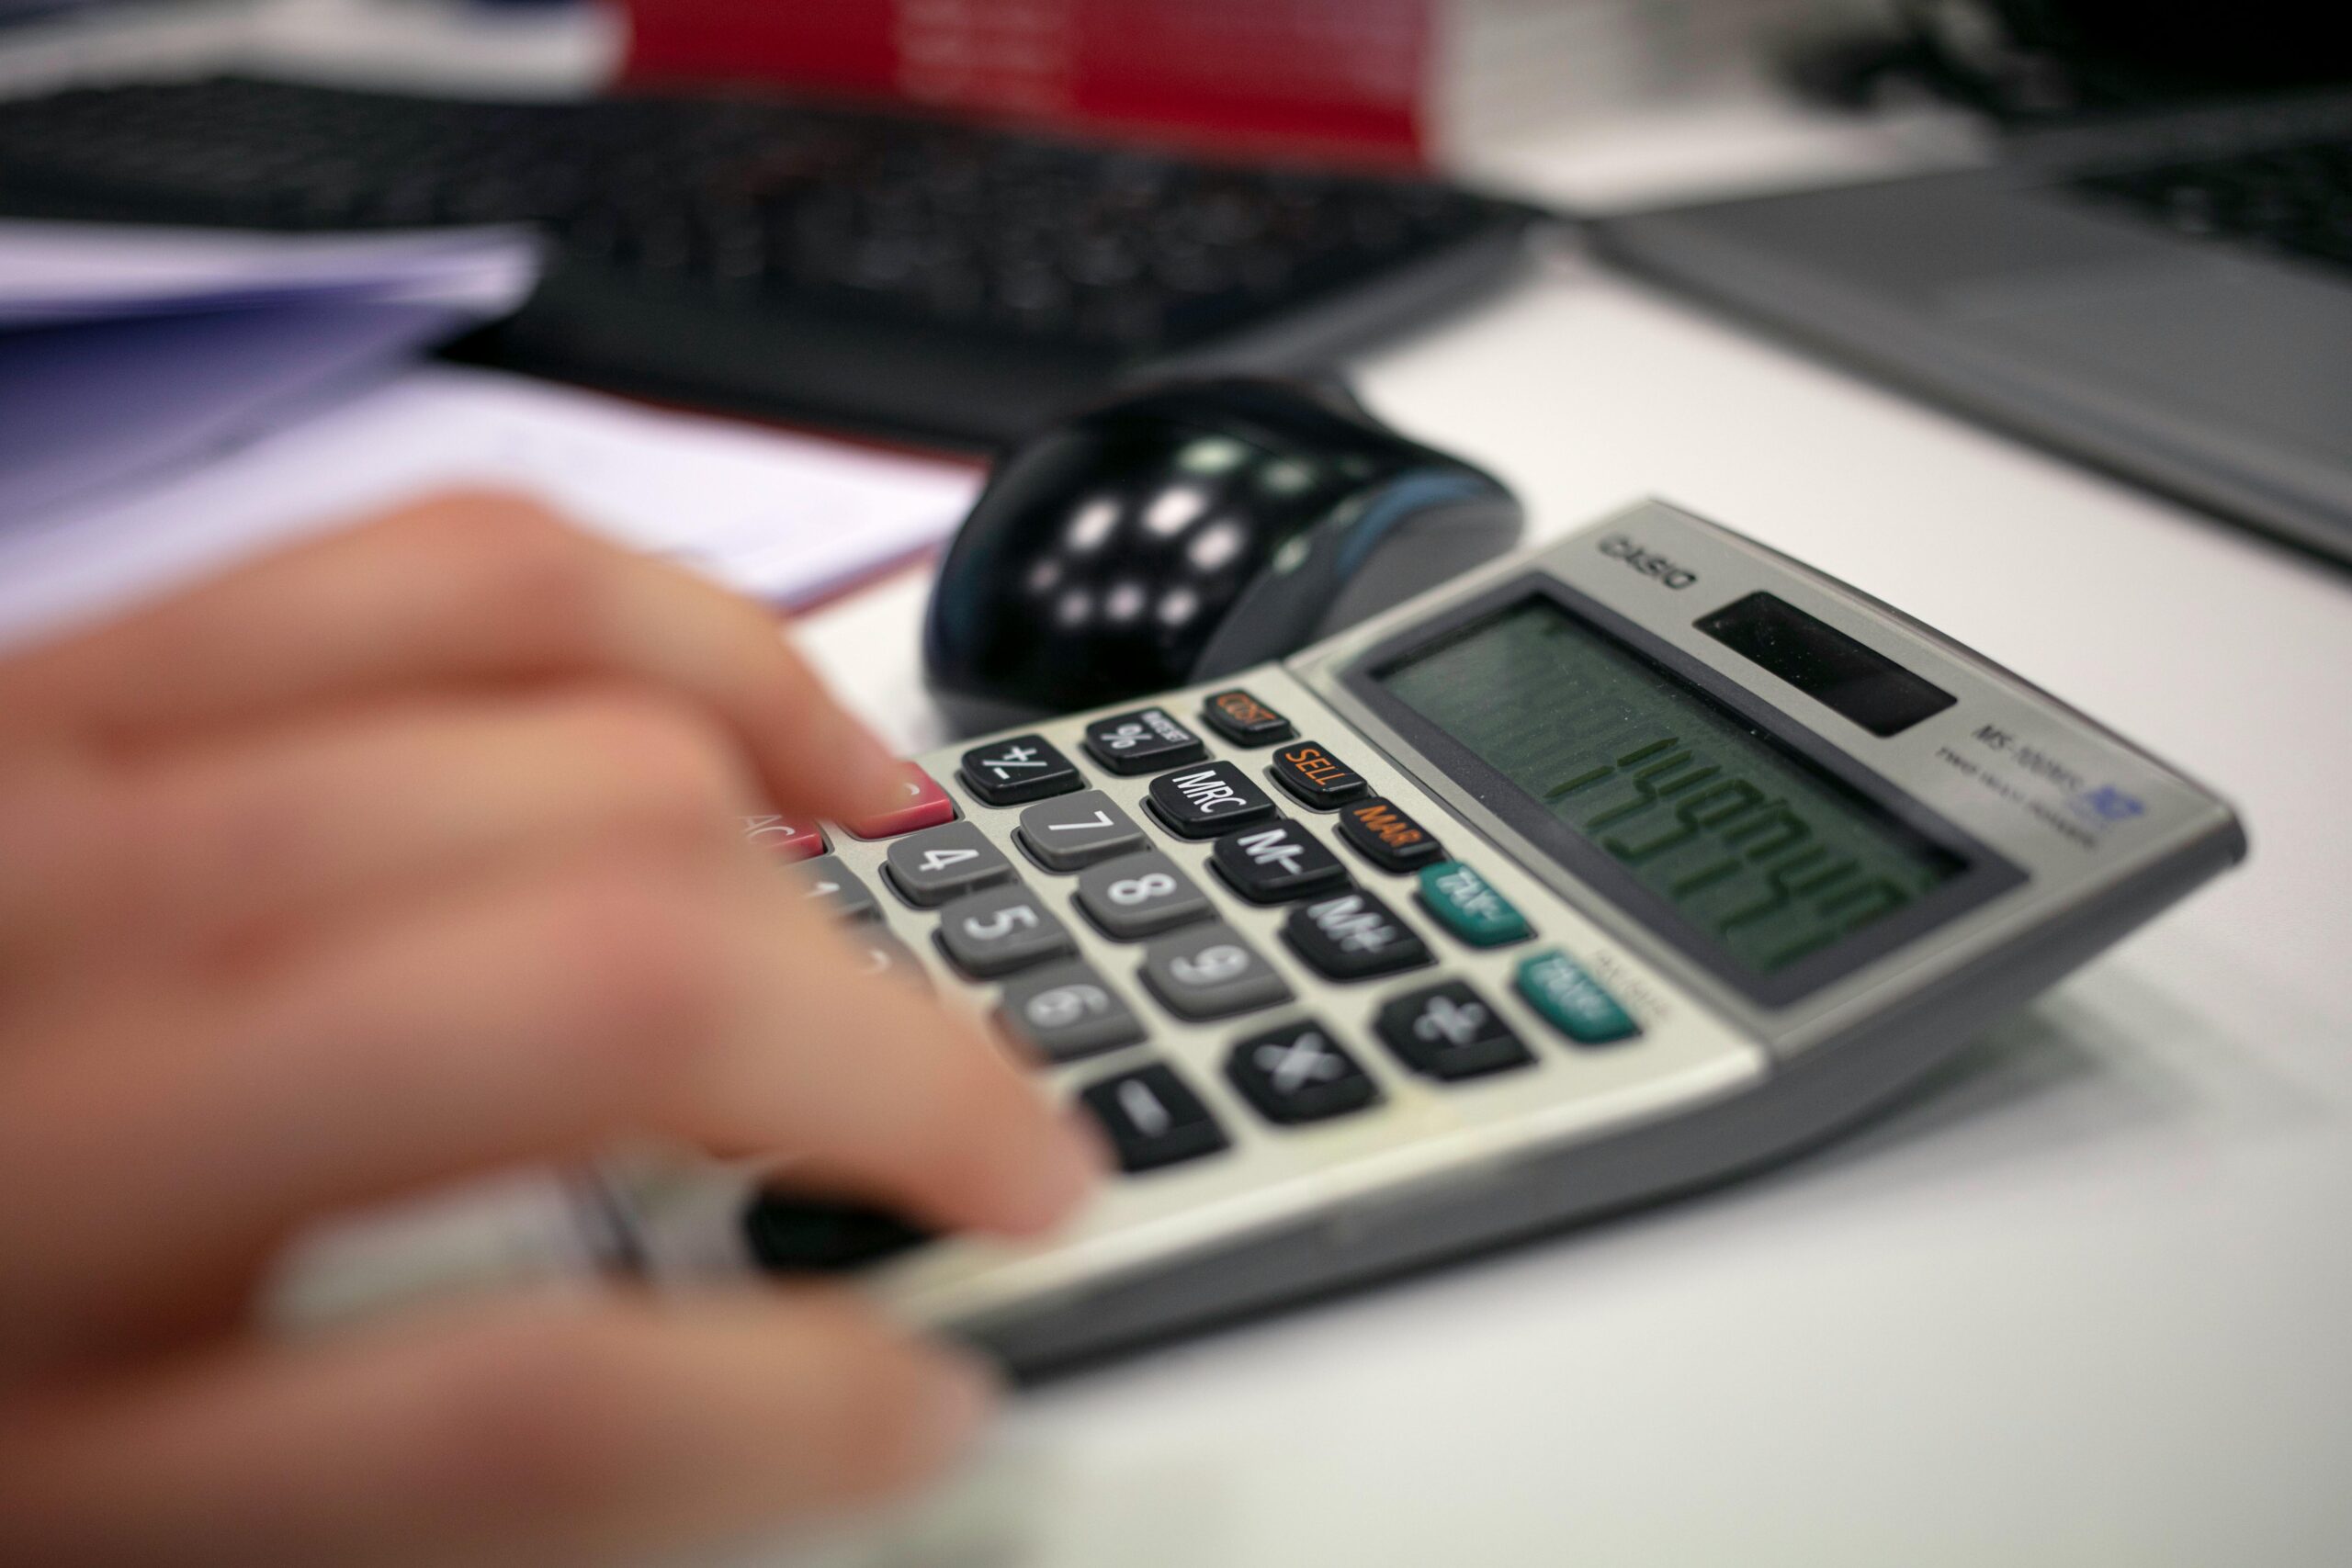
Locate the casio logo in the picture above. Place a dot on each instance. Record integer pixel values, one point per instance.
(1648, 565)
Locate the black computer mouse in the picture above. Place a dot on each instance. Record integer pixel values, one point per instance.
(1187, 531)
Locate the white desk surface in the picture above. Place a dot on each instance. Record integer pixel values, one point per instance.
(2087, 1302)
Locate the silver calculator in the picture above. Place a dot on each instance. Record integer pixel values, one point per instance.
(1611, 870)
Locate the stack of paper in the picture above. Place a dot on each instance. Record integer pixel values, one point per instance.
(126, 356)
(169, 401)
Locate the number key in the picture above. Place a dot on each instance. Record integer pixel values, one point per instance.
(1210, 973)
(1001, 930)
(1140, 895)
(1026, 767)
(1075, 832)
(1066, 1013)
(939, 863)
(830, 883)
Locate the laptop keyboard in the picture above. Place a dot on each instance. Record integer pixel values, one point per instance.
(2294, 200)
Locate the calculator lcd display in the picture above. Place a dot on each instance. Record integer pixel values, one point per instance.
(1765, 856)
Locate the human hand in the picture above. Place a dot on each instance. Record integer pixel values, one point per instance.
(411, 853)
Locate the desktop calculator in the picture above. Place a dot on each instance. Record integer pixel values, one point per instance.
(1611, 870)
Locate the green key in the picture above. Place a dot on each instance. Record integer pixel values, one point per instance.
(1470, 906)
(1572, 1001)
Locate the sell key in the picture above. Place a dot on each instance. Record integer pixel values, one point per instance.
(1317, 778)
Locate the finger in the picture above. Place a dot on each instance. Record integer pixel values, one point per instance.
(461, 589)
(558, 1433)
(214, 848)
(535, 1022)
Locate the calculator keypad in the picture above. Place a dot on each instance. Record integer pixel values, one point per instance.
(1387, 836)
(1140, 895)
(922, 805)
(1242, 718)
(1147, 932)
(786, 839)
(1026, 767)
(1449, 1031)
(1076, 831)
(939, 863)
(1353, 936)
(1317, 778)
(1299, 1072)
(1469, 907)
(1211, 972)
(1152, 1118)
(1000, 929)
(1068, 1012)
(1573, 1002)
(829, 883)
(879, 953)
(1143, 741)
(1204, 802)
(1277, 863)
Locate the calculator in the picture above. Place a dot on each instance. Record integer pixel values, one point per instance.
(1612, 870)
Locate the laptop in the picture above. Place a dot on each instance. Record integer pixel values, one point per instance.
(2168, 297)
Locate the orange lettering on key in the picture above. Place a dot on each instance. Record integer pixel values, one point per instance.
(1243, 708)
(1310, 760)
(1392, 832)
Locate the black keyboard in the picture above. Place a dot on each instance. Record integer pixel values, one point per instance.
(873, 269)
(2296, 200)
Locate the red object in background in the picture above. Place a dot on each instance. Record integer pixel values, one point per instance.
(1337, 77)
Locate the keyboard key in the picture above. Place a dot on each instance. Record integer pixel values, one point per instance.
(1210, 972)
(1277, 863)
(1296, 1072)
(787, 840)
(1201, 803)
(879, 953)
(828, 882)
(925, 805)
(1142, 741)
(1066, 1013)
(1244, 720)
(1446, 1031)
(940, 864)
(1353, 936)
(1140, 895)
(1384, 835)
(1573, 1002)
(1152, 1119)
(1316, 777)
(1076, 831)
(1026, 767)
(789, 1234)
(1468, 906)
(1000, 929)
